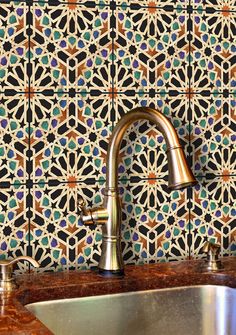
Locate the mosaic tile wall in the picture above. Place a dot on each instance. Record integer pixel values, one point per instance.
(68, 72)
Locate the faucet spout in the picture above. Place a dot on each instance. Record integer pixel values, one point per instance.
(180, 176)
(176, 158)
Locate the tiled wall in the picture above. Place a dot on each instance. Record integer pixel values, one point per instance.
(68, 72)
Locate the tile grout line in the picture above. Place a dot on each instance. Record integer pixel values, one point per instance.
(29, 253)
(93, 4)
(190, 201)
(93, 182)
(98, 93)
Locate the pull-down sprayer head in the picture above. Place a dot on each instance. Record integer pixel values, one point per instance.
(179, 174)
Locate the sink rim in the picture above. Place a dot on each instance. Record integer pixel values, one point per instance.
(175, 301)
(130, 293)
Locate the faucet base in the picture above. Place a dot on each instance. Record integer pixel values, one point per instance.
(111, 273)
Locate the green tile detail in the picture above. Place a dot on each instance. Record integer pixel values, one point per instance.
(176, 232)
(98, 237)
(166, 245)
(45, 202)
(137, 247)
(45, 241)
(87, 251)
(138, 210)
(56, 254)
(165, 208)
(12, 203)
(72, 219)
(152, 214)
(127, 235)
(57, 215)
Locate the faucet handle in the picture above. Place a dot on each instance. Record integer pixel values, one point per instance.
(81, 203)
(212, 250)
(85, 215)
(6, 270)
(91, 216)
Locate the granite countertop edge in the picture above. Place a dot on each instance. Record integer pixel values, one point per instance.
(16, 319)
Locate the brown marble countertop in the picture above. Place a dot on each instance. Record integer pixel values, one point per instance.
(16, 319)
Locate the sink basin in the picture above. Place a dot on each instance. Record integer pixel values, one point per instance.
(192, 310)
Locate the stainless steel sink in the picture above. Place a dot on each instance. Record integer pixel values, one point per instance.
(194, 310)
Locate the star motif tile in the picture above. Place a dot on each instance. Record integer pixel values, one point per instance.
(58, 238)
(69, 70)
(151, 50)
(214, 5)
(69, 137)
(68, 53)
(14, 46)
(213, 134)
(154, 222)
(14, 235)
(168, 5)
(213, 51)
(213, 215)
(14, 138)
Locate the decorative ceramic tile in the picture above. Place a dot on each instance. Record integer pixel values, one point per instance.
(151, 50)
(58, 239)
(13, 138)
(13, 46)
(74, 3)
(123, 54)
(143, 148)
(153, 228)
(154, 222)
(213, 51)
(14, 237)
(70, 53)
(213, 134)
(213, 215)
(69, 136)
(215, 5)
(166, 4)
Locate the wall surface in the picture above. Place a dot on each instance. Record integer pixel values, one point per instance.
(68, 72)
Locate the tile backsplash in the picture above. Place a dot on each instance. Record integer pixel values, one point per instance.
(69, 70)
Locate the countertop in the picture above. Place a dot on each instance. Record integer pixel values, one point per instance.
(16, 319)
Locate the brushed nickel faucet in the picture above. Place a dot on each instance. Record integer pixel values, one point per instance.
(7, 282)
(212, 262)
(109, 215)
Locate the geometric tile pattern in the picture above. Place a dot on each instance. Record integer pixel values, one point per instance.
(14, 47)
(151, 50)
(213, 51)
(57, 236)
(155, 222)
(69, 137)
(214, 5)
(14, 223)
(166, 4)
(213, 214)
(68, 72)
(14, 138)
(213, 134)
(67, 52)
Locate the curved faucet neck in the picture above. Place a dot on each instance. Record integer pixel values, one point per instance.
(137, 114)
(110, 215)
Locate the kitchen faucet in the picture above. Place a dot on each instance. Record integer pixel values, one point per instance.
(109, 215)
